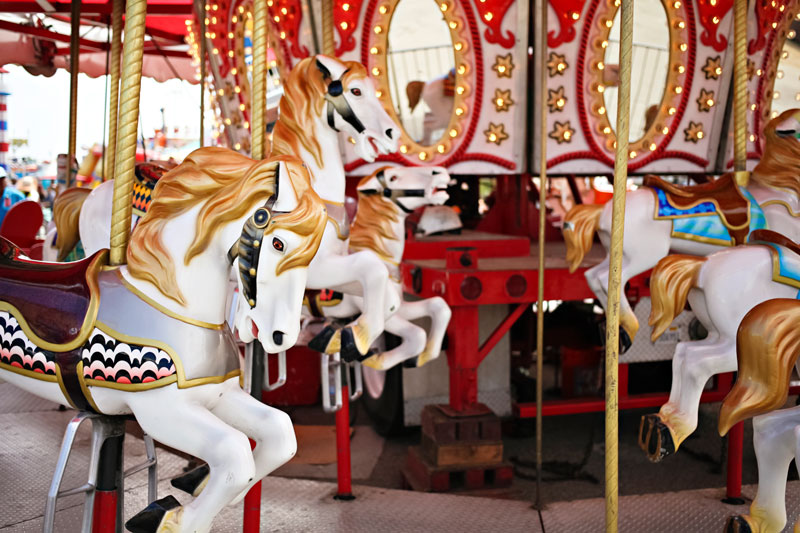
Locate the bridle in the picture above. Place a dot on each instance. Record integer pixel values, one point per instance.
(393, 194)
(334, 95)
(247, 249)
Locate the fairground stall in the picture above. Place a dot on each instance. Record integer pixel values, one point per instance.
(451, 162)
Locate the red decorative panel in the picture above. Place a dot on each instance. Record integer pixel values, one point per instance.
(711, 12)
(345, 19)
(768, 13)
(287, 16)
(492, 13)
(568, 12)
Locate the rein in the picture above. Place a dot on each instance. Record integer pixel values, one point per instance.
(337, 101)
(393, 194)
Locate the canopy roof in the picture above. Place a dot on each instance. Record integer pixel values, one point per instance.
(35, 34)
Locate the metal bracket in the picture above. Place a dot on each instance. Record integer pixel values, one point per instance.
(331, 379)
(281, 381)
(358, 390)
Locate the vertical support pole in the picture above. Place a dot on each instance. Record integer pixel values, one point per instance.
(202, 16)
(736, 434)
(344, 488)
(462, 356)
(542, 222)
(251, 522)
(105, 518)
(258, 127)
(125, 158)
(74, 66)
(110, 157)
(328, 47)
(615, 269)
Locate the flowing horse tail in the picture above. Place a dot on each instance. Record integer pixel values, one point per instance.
(66, 213)
(579, 226)
(767, 346)
(670, 282)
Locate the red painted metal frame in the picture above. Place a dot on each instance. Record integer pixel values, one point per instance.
(178, 8)
(344, 490)
(104, 515)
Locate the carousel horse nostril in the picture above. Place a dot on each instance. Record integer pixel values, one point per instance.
(277, 336)
(389, 133)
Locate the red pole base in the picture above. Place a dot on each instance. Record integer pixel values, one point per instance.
(343, 475)
(734, 483)
(104, 516)
(251, 522)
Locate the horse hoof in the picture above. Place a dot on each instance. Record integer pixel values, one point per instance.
(149, 519)
(320, 342)
(348, 348)
(655, 438)
(737, 524)
(193, 481)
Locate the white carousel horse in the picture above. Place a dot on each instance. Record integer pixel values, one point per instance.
(689, 218)
(768, 345)
(720, 289)
(148, 339)
(385, 199)
(324, 100)
(66, 210)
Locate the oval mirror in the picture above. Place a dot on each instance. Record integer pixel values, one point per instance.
(421, 69)
(649, 67)
(785, 92)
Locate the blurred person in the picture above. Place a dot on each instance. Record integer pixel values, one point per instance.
(29, 186)
(10, 196)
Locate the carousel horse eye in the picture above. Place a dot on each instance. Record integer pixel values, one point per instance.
(393, 178)
(355, 92)
(278, 244)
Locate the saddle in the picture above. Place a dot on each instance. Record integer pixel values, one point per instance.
(733, 207)
(766, 235)
(57, 301)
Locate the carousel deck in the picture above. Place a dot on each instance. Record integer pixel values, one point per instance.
(31, 431)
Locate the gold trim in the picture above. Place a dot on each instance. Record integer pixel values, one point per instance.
(63, 388)
(776, 268)
(84, 388)
(30, 373)
(183, 383)
(338, 229)
(698, 238)
(784, 204)
(152, 303)
(678, 59)
(460, 37)
(88, 320)
(132, 387)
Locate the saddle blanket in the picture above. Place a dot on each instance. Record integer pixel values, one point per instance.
(702, 222)
(785, 265)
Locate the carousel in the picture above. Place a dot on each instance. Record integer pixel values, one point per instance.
(446, 217)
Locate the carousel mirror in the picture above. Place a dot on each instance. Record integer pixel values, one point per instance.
(785, 93)
(421, 69)
(649, 67)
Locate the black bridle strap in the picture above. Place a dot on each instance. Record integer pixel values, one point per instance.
(337, 102)
(394, 194)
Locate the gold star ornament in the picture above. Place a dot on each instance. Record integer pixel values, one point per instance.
(562, 132)
(694, 133)
(502, 99)
(496, 133)
(713, 68)
(556, 64)
(556, 99)
(705, 101)
(503, 65)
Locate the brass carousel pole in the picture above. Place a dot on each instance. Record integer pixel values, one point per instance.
(615, 268)
(327, 28)
(113, 100)
(740, 86)
(125, 157)
(258, 129)
(542, 221)
(74, 65)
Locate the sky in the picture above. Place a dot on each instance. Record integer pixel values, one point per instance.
(38, 110)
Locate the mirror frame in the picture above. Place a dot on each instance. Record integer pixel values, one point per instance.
(772, 61)
(678, 65)
(460, 38)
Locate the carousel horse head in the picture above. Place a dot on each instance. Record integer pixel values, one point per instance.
(408, 188)
(262, 216)
(780, 164)
(342, 95)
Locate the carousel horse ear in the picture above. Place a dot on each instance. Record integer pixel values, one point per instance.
(326, 74)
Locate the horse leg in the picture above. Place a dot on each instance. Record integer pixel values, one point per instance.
(439, 312)
(361, 270)
(184, 424)
(597, 278)
(693, 364)
(413, 343)
(776, 438)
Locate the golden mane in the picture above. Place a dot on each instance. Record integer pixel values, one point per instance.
(229, 185)
(66, 213)
(373, 222)
(780, 165)
(303, 102)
